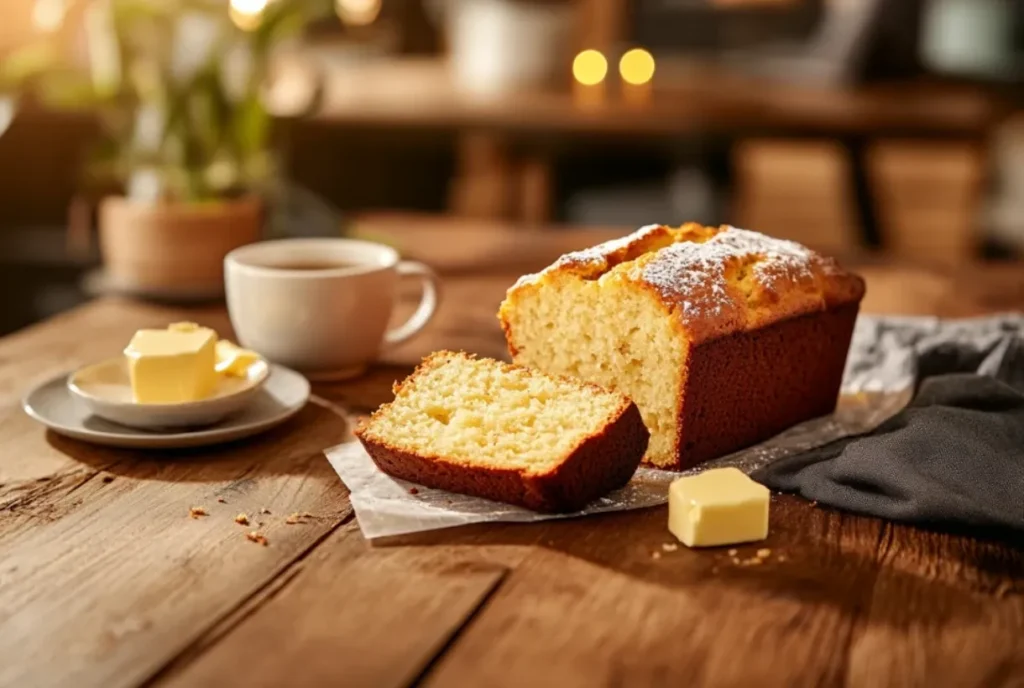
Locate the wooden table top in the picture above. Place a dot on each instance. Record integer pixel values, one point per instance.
(418, 92)
(105, 580)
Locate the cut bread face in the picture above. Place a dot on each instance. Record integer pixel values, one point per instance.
(606, 333)
(504, 432)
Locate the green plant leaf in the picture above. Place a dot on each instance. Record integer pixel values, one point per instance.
(251, 126)
(27, 63)
(70, 90)
(203, 116)
(212, 143)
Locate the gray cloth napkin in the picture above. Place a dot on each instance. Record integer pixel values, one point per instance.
(954, 457)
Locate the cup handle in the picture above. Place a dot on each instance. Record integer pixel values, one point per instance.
(428, 302)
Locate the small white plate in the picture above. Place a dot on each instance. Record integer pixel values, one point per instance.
(105, 389)
(52, 404)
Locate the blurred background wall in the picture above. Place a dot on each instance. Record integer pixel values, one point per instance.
(850, 125)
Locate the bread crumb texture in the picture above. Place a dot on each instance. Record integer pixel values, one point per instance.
(480, 412)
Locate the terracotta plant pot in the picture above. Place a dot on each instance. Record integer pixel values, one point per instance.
(174, 248)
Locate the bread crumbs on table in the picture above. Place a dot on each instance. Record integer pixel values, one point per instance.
(222, 500)
(264, 510)
(765, 552)
(655, 555)
(242, 519)
(197, 512)
(731, 553)
(294, 519)
(256, 537)
(669, 547)
(782, 557)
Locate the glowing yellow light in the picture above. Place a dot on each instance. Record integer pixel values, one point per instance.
(357, 12)
(636, 66)
(247, 14)
(589, 68)
(48, 15)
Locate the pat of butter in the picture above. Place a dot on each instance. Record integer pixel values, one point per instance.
(721, 506)
(233, 360)
(173, 365)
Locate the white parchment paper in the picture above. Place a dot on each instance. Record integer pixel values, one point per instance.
(877, 383)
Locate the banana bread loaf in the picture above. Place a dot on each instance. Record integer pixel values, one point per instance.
(723, 337)
(493, 430)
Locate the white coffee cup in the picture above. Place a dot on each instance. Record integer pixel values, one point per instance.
(322, 306)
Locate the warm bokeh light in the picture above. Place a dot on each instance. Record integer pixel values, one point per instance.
(590, 67)
(48, 15)
(636, 66)
(357, 12)
(247, 14)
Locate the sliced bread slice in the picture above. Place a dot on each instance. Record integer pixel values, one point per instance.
(503, 432)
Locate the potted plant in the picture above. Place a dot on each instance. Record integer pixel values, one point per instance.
(180, 88)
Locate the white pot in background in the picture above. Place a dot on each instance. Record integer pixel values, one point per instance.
(973, 37)
(498, 46)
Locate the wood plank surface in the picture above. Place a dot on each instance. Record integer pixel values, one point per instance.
(104, 577)
(358, 616)
(944, 611)
(624, 611)
(105, 580)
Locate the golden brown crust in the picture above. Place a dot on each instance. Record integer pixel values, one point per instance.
(714, 280)
(749, 386)
(601, 462)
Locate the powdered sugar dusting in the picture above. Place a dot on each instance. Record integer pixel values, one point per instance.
(598, 255)
(693, 274)
(595, 256)
(780, 258)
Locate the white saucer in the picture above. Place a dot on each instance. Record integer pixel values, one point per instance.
(105, 389)
(52, 404)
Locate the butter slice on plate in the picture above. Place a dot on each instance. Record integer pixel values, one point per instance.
(172, 366)
(718, 507)
(233, 360)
